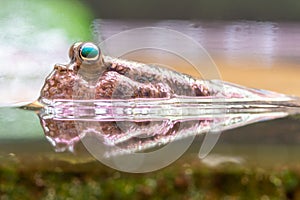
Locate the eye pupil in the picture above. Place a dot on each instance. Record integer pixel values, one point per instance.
(89, 52)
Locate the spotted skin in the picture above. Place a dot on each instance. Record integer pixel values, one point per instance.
(107, 78)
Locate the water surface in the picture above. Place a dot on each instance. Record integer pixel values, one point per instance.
(255, 54)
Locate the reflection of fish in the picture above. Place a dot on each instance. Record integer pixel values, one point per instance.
(129, 136)
(137, 107)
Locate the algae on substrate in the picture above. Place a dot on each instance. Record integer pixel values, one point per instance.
(186, 179)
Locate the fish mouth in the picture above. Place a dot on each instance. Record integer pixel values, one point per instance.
(62, 67)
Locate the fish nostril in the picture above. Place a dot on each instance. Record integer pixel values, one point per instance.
(73, 49)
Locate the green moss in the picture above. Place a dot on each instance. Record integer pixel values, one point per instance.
(50, 175)
(93, 181)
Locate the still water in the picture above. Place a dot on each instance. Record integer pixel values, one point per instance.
(255, 54)
(262, 55)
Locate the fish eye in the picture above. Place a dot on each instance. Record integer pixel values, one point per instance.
(89, 52)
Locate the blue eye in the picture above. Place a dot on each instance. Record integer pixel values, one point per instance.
(89, 51)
